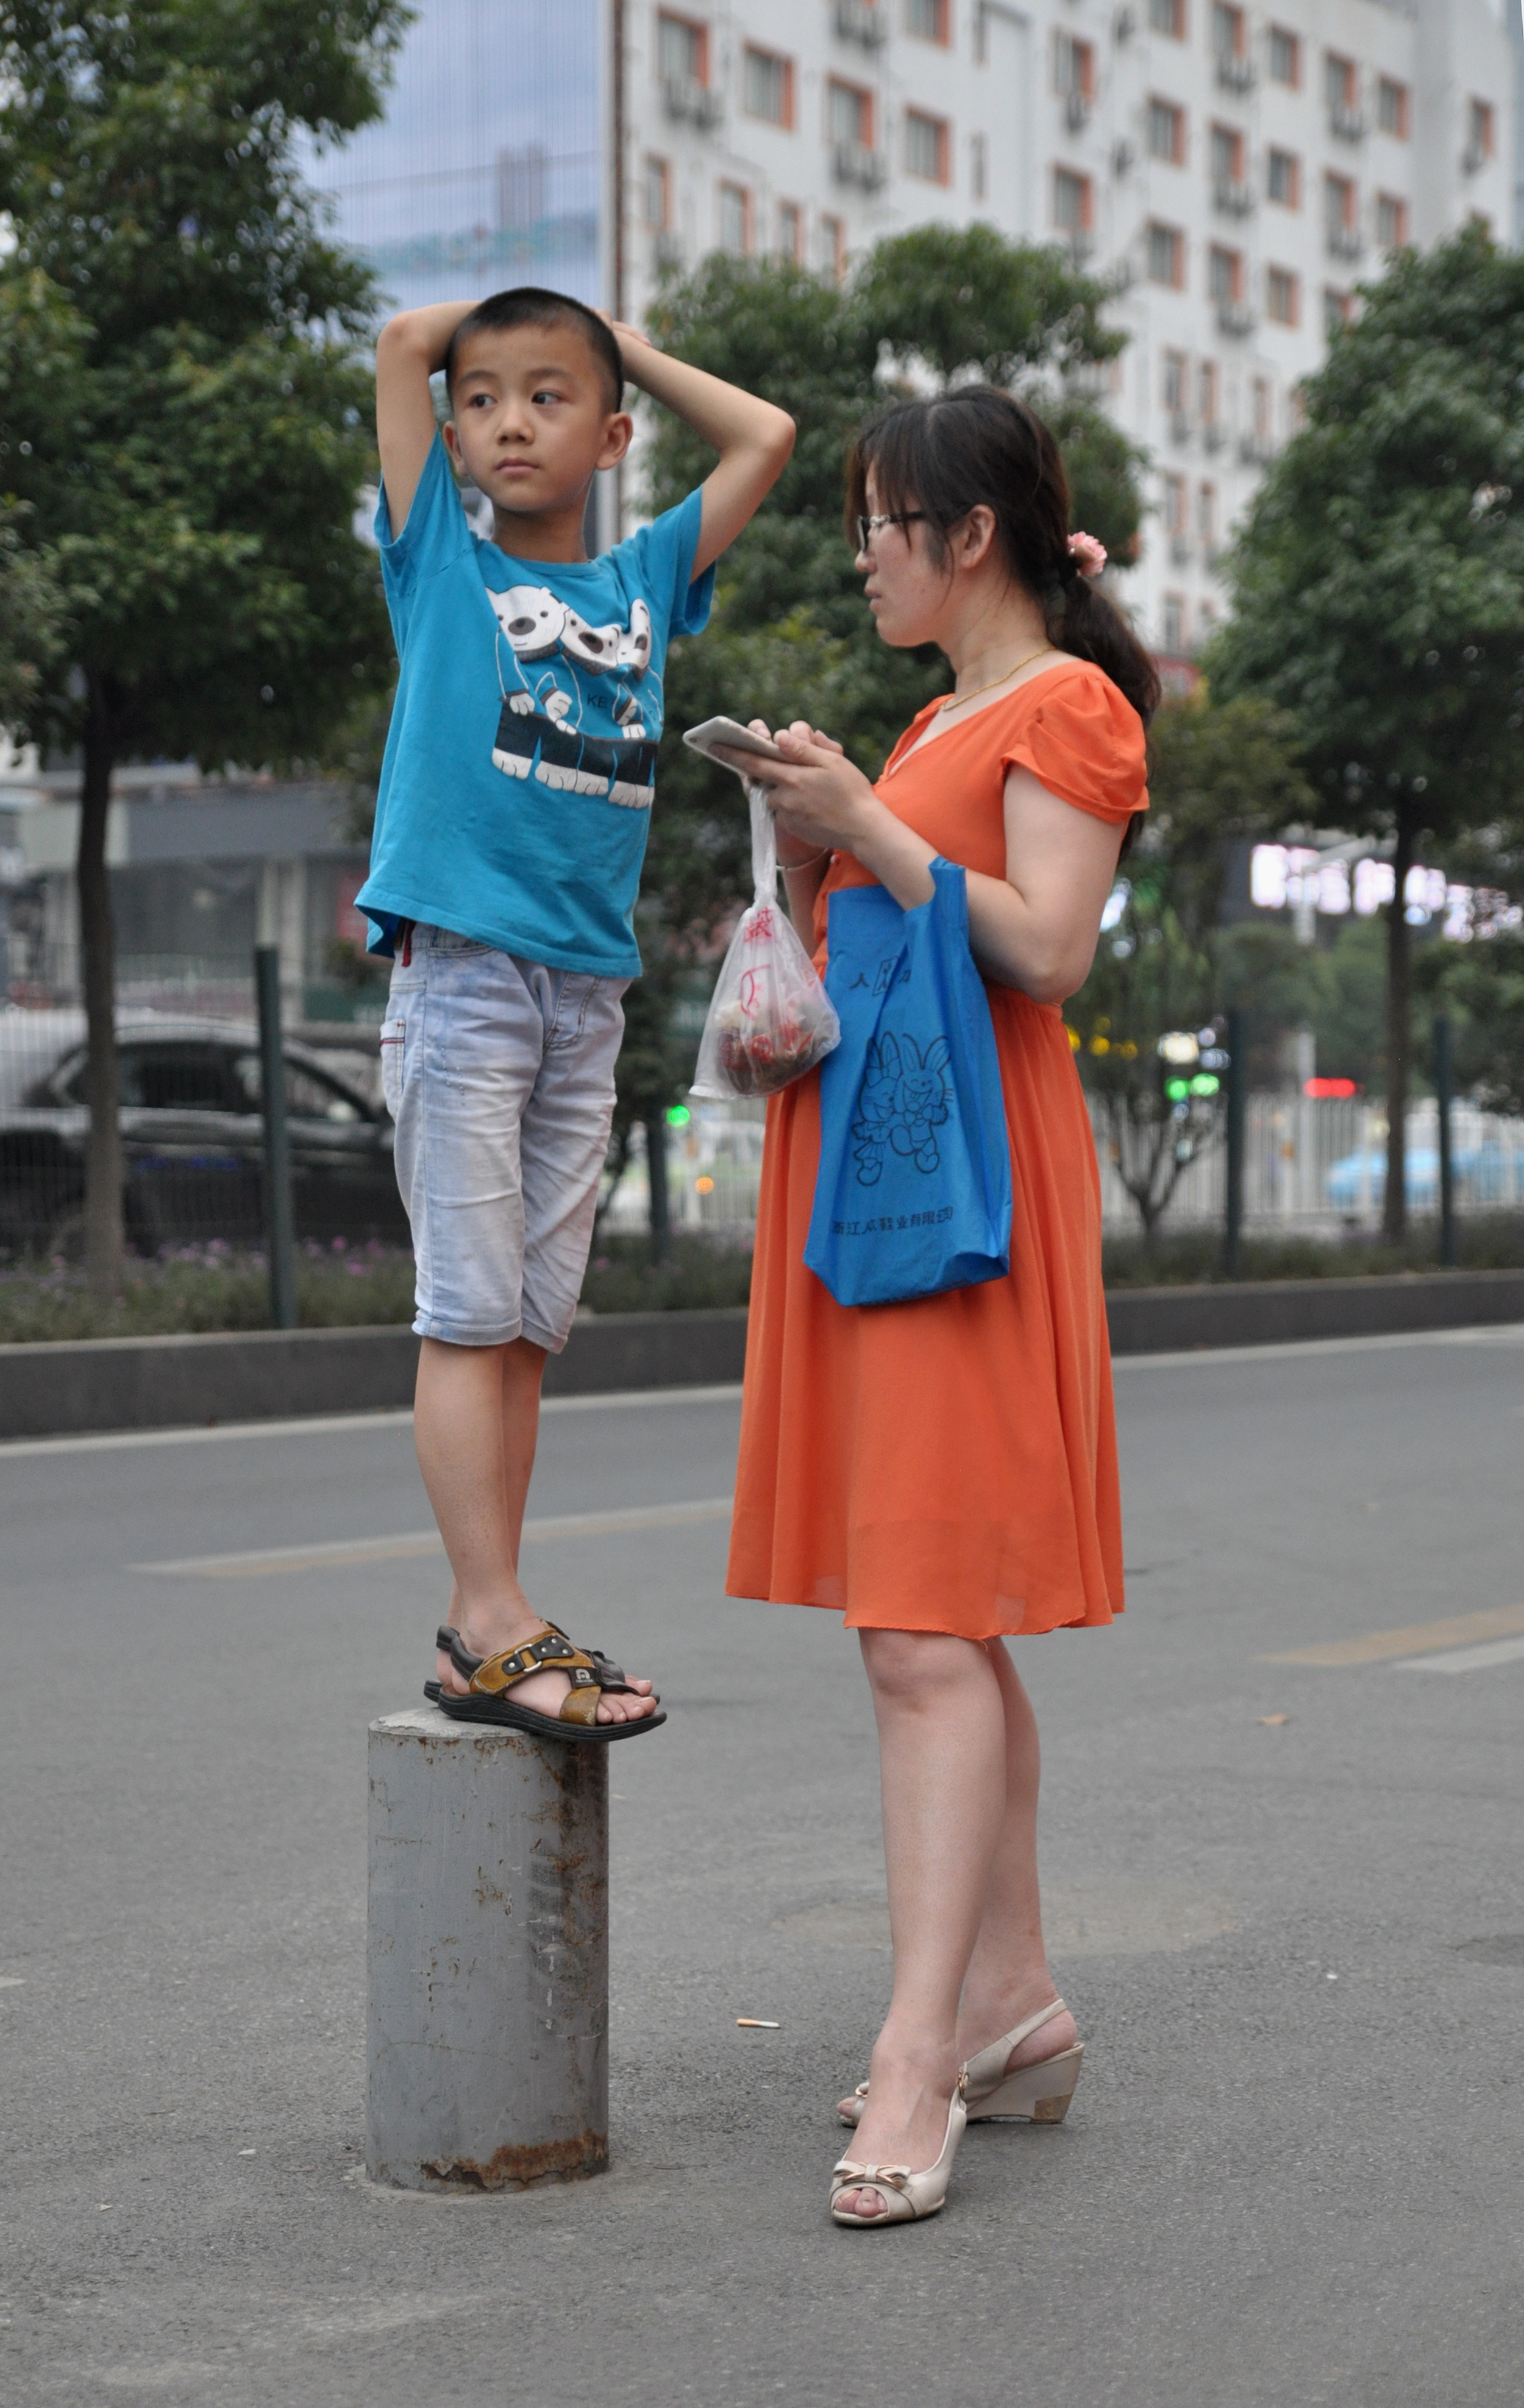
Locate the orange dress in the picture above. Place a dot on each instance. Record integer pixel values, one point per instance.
(949, 1464)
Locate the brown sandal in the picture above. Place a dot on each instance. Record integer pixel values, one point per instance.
(492, 1678)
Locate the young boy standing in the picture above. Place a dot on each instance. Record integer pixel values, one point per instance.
(511, 825)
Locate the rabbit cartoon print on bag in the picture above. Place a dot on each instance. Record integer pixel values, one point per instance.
(554, 724)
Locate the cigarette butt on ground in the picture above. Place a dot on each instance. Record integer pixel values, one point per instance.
(1270, 1719)
(756, 2023)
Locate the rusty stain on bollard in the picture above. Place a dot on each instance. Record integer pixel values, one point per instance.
(488, 1956)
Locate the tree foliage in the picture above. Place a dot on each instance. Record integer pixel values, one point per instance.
(186, 412)
(1378, 584)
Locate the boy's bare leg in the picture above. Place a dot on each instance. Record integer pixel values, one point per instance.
(476, 1418)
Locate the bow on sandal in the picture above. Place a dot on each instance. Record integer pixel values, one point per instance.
(493, 1677)
(907, 2197)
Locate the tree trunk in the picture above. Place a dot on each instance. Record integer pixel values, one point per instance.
(656, 1155)
(103, 1245)
(1399, 948)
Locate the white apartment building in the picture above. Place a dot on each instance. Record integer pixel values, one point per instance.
(1237, 169)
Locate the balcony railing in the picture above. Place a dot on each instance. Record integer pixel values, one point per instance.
(1236, 318)
(1256, 450)
(1180, 429)
(1346, 241)
(698, 104)
(1077, 106)
(854, 164)
(1346, 120)
(1213, 434)
(862, 20)
(1232, 195)
(1236, 71)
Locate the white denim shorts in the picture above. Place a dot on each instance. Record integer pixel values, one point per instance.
(498, 1074)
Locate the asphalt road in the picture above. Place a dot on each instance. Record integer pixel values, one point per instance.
(1285, 1900)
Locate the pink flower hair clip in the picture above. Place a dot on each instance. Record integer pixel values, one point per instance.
(1088, 553)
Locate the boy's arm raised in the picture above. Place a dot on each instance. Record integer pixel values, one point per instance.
(753, 438)
(408, 350)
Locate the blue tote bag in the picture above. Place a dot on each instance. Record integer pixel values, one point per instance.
(913, 1192)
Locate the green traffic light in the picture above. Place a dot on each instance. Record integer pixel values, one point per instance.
(1204, 1083)
(678, 1116)
(1177, 1090)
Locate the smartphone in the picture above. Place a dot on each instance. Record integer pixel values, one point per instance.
(730, 732)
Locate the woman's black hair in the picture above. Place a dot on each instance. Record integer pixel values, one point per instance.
(943, 456)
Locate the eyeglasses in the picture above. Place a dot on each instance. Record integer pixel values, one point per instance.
(867, 529)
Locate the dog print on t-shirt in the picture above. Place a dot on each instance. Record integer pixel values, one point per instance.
(578, 701)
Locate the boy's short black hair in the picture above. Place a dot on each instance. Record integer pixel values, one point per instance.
(530, 305)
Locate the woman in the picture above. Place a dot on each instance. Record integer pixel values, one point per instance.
(944, 1470)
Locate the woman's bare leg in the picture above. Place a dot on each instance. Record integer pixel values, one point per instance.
(476, 1420)
(1008, 1977)
(941, 1759)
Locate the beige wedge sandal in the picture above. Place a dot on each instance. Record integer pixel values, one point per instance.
(1040, 2093)
(907, 2197)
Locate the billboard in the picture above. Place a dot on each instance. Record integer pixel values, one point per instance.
(488, 169)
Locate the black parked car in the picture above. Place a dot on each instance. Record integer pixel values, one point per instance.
(193, 1139)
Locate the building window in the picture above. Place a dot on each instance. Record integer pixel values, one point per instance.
(1225, 273)
(850, 115)
(1167, 132)
(1482, 139)
(1176, 506)
(832, 237)
(734, 220)
(1073, 73)
(1227, 155)
(681, 51)
(1282, 299)
(926, 146)
(1174, 383)
(1206, 516)
(767, 86)
(1073, 204)
(1340, 86)
(1283, 176)
(656, 189)
(1229, 32)
(931, 19)
(1168, 17)
(1285, 57)
(1340, 208)
(791, 232)
(1392, 108)
(1166, 256)
(978, 166)
(1338, 309)
(1207, 392)
(1391, 221)
(1174, 624)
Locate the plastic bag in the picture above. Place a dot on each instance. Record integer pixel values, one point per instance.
(769, 1019)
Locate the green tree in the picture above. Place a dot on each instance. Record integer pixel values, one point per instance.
(31, 620)
(790, 637)
(1378, 584)
(187, 409)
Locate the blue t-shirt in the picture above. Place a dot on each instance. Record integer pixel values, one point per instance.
(516, 786)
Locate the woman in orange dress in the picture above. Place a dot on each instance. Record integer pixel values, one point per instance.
(943, 1471)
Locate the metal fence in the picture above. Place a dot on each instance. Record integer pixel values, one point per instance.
(1313, 1167)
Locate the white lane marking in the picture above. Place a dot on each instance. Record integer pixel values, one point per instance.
(315, 1425)
(1495, 1333)
(1465, 1660)
(12, 1981)
(388, 1548)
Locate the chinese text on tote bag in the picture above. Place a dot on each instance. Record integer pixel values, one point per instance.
(914, 1191)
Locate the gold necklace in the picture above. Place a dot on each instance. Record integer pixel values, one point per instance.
(954, 699)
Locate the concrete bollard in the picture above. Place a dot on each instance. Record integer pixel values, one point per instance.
(488, 1953)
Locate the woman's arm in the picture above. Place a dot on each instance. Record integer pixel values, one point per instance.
(1034, 929)
(753, 438)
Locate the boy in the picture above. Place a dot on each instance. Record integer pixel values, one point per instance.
(510, 829)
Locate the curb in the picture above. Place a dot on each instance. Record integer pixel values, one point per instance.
(68, 1385)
